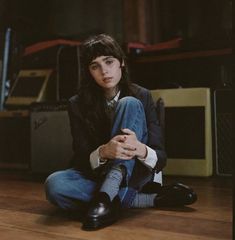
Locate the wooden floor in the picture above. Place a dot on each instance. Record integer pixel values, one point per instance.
(26, 215)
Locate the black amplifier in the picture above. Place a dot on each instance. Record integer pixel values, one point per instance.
(51, 141)
(223, 131)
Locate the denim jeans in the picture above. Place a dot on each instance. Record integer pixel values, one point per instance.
(67, 187)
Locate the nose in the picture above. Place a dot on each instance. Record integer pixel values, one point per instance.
(103, 69)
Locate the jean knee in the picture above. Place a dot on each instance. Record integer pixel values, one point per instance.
(52, 188)
(130, 101)
(131, 105)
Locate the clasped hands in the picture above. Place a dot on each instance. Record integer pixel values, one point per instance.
(125, 146)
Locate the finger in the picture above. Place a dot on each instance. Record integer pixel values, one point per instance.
(128, 153)
(126, 157)
(127, 131)
(129, 147)
(119, 138)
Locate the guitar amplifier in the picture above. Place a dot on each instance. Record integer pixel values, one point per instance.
(223, 131)
(51, 141)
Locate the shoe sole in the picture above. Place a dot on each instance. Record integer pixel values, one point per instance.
(92, 225)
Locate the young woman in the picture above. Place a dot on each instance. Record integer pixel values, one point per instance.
(117, 143)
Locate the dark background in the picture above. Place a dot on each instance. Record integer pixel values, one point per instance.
(148, 21)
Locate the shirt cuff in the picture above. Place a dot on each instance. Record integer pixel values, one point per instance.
(158, 177)
(95, 159)
(151, 159)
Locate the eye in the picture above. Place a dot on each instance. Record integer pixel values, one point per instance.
(93, 67)
(109, 61)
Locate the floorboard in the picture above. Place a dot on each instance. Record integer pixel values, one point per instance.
(25, 214)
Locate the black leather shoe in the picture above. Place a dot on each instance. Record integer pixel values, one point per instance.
(175, 195)
(102, 212)
(151, 187)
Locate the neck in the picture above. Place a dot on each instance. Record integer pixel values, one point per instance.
(111, 94)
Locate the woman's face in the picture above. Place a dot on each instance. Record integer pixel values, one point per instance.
(107, 72)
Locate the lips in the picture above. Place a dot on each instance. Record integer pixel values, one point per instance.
(107, 79)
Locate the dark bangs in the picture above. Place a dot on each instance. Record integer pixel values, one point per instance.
(101, 45)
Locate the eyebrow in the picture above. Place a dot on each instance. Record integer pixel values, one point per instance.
(104, 59)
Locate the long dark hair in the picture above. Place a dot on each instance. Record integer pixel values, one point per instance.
(91, 95)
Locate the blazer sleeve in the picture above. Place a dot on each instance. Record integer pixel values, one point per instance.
(155, 135)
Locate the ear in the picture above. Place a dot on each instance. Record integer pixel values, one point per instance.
(123, 63)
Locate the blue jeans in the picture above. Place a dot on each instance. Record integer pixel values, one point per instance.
(67, 187)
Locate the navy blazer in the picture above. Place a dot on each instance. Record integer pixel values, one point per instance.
(83, 146)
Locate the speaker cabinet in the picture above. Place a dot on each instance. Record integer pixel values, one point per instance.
(223, 131)
(51, 142)
(188, 134)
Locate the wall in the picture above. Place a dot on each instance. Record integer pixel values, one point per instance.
(148, 21)
(81, 18)
(37, 20)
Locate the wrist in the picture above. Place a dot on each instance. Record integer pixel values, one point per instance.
(142, 153)
(102, 160)
(101, 152)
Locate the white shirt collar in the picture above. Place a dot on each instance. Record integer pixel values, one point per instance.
(115, 99)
